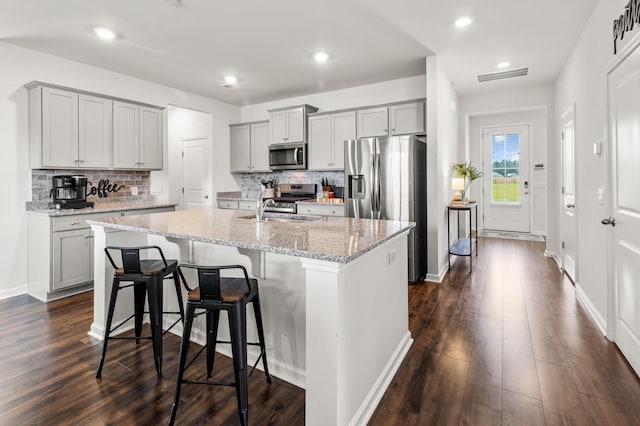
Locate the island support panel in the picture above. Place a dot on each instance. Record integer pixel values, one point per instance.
(357, 333)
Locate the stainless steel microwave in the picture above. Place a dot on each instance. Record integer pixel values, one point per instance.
(288, 156)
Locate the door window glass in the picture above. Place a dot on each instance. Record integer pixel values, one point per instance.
(505, 168)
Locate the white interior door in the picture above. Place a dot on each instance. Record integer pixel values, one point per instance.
(506, 178)
(196, 180)
(624, 125)
(568, 228)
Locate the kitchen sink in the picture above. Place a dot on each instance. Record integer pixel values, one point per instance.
(283, 218)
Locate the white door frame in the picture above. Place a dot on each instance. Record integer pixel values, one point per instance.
(529, 125)
(571, 111)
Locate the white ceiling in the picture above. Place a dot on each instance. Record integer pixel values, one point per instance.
(268, 44)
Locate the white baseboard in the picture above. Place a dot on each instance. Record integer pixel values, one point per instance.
(586, 302)
(277, 368)
(443, 271)
(554, 256)
(371, 401)
(12, 292)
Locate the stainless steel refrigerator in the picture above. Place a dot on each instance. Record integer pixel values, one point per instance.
(386, 178)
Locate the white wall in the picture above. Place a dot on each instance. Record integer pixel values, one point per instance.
(444, 147)
(583, 80)
(536, 119)
(371, 94)
(20, 66)
(535, 105)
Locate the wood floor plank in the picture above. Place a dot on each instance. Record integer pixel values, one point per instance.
(475, 414)
(521, 410)
(519, 373)
(560, 398)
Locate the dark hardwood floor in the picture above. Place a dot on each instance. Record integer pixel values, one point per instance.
(508, 344)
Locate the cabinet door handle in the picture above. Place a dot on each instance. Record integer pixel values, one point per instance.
(393, 130)
(73, 223)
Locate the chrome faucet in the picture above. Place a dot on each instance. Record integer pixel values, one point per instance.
(261, 204)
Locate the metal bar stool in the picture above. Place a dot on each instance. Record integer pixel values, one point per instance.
(215, 294)
(145, 276)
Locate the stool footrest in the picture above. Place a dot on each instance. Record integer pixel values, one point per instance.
(201, 382)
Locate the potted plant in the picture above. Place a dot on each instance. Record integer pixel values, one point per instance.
(468, 172)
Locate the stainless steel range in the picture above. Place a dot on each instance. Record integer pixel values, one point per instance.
(289, 194)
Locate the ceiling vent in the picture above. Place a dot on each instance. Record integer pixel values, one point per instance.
(520, 72)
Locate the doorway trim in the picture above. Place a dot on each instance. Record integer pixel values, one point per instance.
(569, 114)
(529, 127)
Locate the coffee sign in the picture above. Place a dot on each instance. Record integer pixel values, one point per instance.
(625, 22)
(103, 188)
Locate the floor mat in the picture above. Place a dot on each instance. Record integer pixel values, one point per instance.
(511, 235)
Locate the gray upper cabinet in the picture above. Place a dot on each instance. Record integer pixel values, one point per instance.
(240, 149)
(137, 136)
(53, 127)
(373, 122)
(327, 133)
(249, 147)
(404, 118)
(288, 125)
(71, 128)
(260, 147)
(95, 128)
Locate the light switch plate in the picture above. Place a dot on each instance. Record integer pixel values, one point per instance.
(601, 196)
(134, 190)
(597, 148)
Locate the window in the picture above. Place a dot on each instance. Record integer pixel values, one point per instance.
(505, 168)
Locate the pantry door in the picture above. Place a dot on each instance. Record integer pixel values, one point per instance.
(506, 178)
(624, 220)
(196, 182)
(569, 226)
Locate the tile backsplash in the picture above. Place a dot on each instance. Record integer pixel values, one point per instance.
(126, 179)
(250, 182)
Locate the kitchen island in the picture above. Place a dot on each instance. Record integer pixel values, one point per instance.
(333, 291)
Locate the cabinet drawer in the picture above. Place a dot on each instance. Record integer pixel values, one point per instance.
(247, 205)
(228, 205)
(68, 223)
(315, 209)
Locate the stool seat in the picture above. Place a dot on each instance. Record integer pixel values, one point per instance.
(153, 267)
(231, 289)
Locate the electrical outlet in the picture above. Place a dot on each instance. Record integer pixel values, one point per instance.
(134, 190)
(392, 256)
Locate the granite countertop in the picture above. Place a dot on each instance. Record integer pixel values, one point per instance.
(103, 207)
(334, 239)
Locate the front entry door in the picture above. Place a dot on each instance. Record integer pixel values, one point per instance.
(624, 125)
(568, 229)
(506, 178)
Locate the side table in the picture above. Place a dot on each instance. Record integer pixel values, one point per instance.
(462, 246)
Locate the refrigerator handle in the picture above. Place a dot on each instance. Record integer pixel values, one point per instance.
(378, 185)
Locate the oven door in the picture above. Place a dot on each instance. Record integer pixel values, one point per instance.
(288, 156)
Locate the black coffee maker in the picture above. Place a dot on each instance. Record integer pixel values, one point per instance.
(70, 192)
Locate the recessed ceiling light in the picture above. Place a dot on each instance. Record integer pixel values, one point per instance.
(321, 57)
(230, 79)
(504, 64)
(463, 21)
(104, 33)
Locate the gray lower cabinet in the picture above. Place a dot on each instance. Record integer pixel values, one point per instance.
(61, 252)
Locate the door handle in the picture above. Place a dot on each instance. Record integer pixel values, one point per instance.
(609, 221)
(206, 197)
(571, 206)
